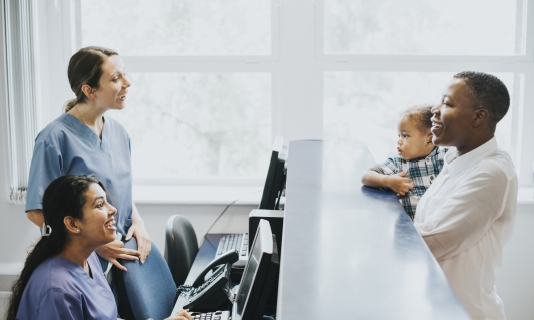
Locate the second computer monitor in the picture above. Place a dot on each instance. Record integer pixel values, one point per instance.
(260, 276)
(276, 178)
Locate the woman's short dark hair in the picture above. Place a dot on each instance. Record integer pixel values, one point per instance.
(85, 67)
(488, 92)
(64, 197)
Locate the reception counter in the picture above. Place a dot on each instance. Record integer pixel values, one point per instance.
(351, 252)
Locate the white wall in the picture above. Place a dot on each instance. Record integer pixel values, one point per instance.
(515, 280)
(234, 220)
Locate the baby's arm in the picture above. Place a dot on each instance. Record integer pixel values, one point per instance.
(395, 182)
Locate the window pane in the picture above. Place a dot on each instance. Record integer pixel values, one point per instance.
(198, 125)
(364, 106)
(187, 27)
(454, 27)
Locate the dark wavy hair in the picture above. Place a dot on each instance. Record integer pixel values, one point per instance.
(488, 92)
(64, 197)
(85, 67)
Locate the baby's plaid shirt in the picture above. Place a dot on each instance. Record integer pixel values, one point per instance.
(422, 171)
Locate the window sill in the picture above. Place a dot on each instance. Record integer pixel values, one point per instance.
(224, 195)
(197, 195)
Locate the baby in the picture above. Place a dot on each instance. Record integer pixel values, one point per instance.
(418, 163)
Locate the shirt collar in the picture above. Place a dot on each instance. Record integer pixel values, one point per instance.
(457, 164)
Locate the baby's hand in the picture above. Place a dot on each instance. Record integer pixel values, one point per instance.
(399, 184)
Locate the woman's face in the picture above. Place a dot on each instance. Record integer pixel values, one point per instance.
(113, 85)
(98, 222)
(453, 116)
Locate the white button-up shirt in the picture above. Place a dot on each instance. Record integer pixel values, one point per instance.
(465, 218)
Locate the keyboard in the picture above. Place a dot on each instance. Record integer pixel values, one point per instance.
(217, 315)
(237, 242)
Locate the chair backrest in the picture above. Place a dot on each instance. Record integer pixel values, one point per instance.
(181, 247)
(149, 286)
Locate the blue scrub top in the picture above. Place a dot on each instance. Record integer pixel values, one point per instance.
(67, 146)
(60, 289)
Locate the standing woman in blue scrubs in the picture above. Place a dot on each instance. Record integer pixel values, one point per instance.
(61, 278)
(84, 141)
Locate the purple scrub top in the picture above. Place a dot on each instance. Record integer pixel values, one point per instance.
(61, 289)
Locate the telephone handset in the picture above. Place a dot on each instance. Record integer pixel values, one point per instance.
(228, 257)
(209, 294)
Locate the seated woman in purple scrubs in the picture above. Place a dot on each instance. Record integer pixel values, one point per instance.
(62, 278)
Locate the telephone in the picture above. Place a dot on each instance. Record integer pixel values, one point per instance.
(211, 293)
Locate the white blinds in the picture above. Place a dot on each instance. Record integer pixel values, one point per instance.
(21, 92)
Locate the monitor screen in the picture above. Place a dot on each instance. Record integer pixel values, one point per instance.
(261, 272)
(276, 178)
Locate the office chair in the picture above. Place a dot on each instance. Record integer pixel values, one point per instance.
(146, 290)
(181, 247)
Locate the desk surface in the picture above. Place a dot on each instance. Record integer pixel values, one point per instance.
(351, 252)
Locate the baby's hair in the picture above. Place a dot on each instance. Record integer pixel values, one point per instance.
(421, 114)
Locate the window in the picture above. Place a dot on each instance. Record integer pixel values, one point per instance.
(178, 28)
(198, 125)
(215, 81)
(213, 121)
(380, 58)
(454, 27)
(365, 106)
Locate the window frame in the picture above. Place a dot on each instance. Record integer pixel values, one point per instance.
(520, 63)
(297, 65)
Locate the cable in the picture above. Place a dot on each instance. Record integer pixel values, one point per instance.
(228, 206)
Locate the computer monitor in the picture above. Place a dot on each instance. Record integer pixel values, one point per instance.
(260, 277)
(276, 178)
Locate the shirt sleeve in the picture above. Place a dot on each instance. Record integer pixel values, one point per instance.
(60, 305)
(388, 167)
(46, 165)
(460, 220)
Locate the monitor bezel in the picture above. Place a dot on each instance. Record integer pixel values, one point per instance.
(264, 238)
(275, 180)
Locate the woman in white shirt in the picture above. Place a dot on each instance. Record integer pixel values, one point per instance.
(467, 215)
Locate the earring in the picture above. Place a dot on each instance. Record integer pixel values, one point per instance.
(77, 230)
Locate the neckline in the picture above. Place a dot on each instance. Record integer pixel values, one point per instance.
(77, 267)
(85, 130)
(469, 159)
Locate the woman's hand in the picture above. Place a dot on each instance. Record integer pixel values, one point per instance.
(137, 229)
(144, 244)
(114, 250)
(399, 184)
(181, 315)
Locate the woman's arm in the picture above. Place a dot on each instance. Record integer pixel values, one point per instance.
(45, 167)
(137, 230)
(36, 216)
